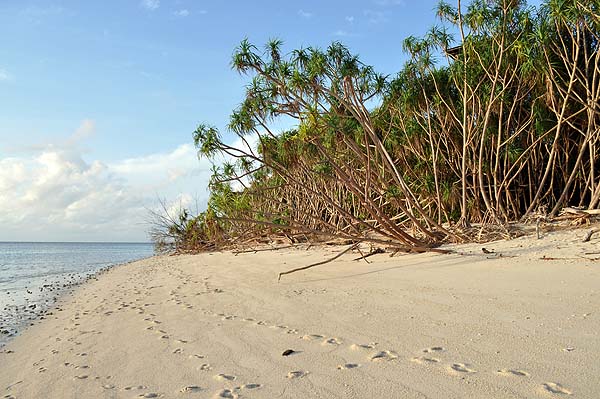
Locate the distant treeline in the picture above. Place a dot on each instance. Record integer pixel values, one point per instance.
(500, 127)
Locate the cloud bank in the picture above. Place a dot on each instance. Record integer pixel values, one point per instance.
(54, 194)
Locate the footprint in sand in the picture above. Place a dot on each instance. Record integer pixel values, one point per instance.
(424, 360)
(134, 388)
(224, 377)
(311, 337)
(348, 366)
(190, 389)
(554, 387)
(511, 372)
(195, 356)
(226, 393)
(433, 349)
(177, 351)
(384, 356)
(80, 377)
(204, 367)
(356, 347)
(332, 341)
(108, 386)
(250, 386)
(461, 368)
(149, 395)
(297, 374)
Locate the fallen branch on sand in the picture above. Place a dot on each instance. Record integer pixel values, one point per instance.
(373, 252)
(319, 263)
(588, 236)
(236, 253)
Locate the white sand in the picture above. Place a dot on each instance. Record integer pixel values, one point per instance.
(411, 326)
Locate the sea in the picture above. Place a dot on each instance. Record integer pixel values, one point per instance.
(34, 275)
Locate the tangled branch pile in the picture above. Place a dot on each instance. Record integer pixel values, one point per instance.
(508, 125)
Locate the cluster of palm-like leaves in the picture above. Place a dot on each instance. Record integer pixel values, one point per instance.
(495, 129)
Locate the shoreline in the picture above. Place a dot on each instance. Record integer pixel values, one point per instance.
(518, 322)
(52, 293)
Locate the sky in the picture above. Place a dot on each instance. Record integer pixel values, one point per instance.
(99, 99)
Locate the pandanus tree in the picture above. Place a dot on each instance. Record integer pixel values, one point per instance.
(325, 93)
(507, 126)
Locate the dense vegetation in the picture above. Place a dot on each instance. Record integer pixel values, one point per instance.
(503, 126)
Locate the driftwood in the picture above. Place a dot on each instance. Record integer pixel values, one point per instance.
(588, 236)
(319, 263)
(373, 252)
(261, 249)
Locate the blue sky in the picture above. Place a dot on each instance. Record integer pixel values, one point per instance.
(98, 99)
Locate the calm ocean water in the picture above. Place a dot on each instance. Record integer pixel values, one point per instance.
(33, 275)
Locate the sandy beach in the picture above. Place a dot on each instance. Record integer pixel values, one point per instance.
(521, 322)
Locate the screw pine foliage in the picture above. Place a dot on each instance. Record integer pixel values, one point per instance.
(500, 125)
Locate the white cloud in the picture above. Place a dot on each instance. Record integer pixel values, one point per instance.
(375, 17)
(54, 194)
(181, 13)
(350, 19)
(343, 33)
(305, 14)
(4, 76)
(150, 4)
(86, 129)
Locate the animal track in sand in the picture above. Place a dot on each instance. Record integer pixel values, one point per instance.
(424, 360)
(509, 372)
(384, 356)
(554, 387)
(196, 356)
(348, 366)
(177, 351)
(80, 377)
(433, 349)
(224, 377)
(461, 368)
(205, 367)
(297, 374)
(149, 395)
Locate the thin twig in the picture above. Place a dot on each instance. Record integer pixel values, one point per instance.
(373, 252)
(319, 263)
(262, 249)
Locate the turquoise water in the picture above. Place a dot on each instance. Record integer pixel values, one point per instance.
(33, 275)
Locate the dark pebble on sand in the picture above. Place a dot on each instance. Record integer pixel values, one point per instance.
(287, 352)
